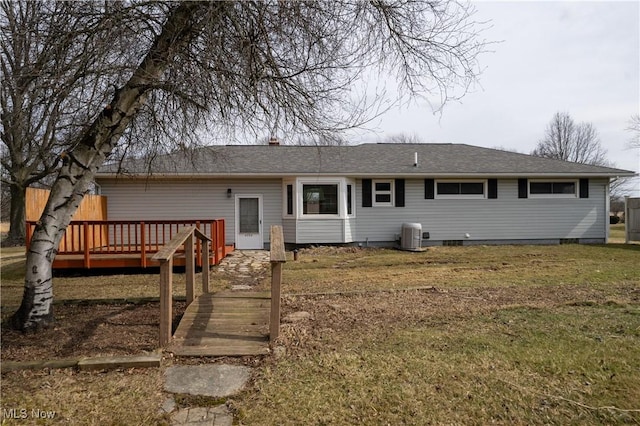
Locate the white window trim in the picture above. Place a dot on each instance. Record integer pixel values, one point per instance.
(342, 188)
(391, 193)
(574, 195)
(461, 196)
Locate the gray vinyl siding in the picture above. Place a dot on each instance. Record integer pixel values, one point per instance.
(319, 231)
(505, 218)
(190, 199)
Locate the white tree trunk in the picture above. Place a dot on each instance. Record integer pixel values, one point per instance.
(80, 165)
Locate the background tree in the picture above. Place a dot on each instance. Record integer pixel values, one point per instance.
(280, 67)
(569, 141)
(403, 138)
(634, 128)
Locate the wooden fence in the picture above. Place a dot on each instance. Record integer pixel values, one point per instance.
(631, 219)
(92, 208)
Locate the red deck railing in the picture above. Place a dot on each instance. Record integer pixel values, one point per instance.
(128, 237)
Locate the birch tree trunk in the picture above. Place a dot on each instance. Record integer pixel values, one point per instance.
(80, 164)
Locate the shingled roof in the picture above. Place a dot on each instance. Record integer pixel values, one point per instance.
(436, 160)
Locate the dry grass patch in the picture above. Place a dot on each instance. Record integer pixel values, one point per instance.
(455, 358)
(125, 397)
(443, 267)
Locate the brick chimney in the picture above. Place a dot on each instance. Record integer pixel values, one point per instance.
(273, 141)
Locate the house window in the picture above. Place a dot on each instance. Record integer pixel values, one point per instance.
(552, 188)
(349, 200)
(320, 199)
(383, 193)
(460, 189)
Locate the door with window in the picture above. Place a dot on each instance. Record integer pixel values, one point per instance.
(249, 222)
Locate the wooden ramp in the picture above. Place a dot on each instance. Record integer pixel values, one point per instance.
(228, 323)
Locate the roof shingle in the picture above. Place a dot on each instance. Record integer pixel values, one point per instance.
(358, 160)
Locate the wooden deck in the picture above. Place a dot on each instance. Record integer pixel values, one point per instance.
(129, 244)
(228, 323)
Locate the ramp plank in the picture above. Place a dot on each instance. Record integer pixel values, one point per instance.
(224, 324)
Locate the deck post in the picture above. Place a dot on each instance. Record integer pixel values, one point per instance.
(205, 267)
(190, 266)
(143, 245)
(85, 241)
(223, 240)
(166, 302)
(215, 241)
(278, 257)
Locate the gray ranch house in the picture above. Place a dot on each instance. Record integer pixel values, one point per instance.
(363, 194)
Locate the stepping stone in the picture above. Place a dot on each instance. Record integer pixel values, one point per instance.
(297, 317)
(241, 287)
(216, 380)
(216, 416)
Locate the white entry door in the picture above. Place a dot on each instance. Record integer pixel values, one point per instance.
(249, 222)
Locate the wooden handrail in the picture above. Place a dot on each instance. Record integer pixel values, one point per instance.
(277, 256)
(165, 256)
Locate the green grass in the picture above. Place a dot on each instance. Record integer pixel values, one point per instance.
(442, 267)
(616, 233)
(567, 365)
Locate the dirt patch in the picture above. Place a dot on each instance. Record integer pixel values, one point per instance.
(90, 330)
(130, 329)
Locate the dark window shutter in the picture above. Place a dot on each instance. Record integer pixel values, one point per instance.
(522, 188)
(429, 185)
(289, 199)
(492, 190)
(399, 192)
(584, 188)
(366, 193)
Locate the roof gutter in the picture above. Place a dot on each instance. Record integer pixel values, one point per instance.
(359, 175)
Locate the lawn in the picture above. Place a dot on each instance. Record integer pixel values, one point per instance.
(351, 269)
(452, 335)
(457, 335)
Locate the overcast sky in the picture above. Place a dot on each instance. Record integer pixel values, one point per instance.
(578, 57)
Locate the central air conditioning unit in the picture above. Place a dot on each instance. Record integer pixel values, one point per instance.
(411, 237)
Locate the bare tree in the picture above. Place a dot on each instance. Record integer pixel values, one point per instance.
(275, 66)
(55, 68)
(568, 141)
(634, 128)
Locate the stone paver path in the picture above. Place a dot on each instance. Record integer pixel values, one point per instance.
(247, 267)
